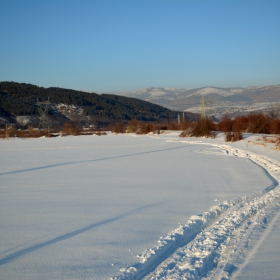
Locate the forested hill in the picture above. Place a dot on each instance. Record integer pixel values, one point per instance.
(19, 99)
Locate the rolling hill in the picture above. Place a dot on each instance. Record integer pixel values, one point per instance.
(18, 104)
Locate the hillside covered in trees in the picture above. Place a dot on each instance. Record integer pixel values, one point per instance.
(19, 99)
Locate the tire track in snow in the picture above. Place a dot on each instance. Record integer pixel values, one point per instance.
(194, 250)
(247, 247)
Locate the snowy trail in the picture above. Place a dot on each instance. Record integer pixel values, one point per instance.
(215, 244)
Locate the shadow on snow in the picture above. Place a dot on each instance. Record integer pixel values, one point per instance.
(85, 161)
(12, 257)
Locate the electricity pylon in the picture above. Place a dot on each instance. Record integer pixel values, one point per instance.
(43, 109)
(203, 116)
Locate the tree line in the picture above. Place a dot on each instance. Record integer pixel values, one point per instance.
(233, 128)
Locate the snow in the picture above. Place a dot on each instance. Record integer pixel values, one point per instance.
(157, 92)
(134, 207)
(265, 257)
(24, 120)
(209, 90)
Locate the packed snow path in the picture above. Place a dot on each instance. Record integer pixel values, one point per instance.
(215, 244)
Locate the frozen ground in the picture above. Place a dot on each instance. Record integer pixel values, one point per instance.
(130, 207)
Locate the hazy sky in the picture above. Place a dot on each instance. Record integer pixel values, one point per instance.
(122, 45)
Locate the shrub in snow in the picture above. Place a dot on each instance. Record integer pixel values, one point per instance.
(233, 136)
(233, 127)
(132, 126)
(275, 126)
(200, 128)
(118, 127)
(258, 123)
(274, 140)
(70, 129)
(203, 127)
(226, 124)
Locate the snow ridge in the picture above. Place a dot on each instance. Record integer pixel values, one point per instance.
(150, 258)
(202, 246)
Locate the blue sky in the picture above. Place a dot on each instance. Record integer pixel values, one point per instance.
(121, 45)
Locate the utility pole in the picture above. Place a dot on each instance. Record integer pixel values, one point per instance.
(6, 132)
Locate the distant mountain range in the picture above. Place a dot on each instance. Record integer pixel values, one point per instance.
(218, 101)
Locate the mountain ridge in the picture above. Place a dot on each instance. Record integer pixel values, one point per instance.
(222, 98)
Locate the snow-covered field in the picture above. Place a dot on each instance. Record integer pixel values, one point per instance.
(139, 207)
